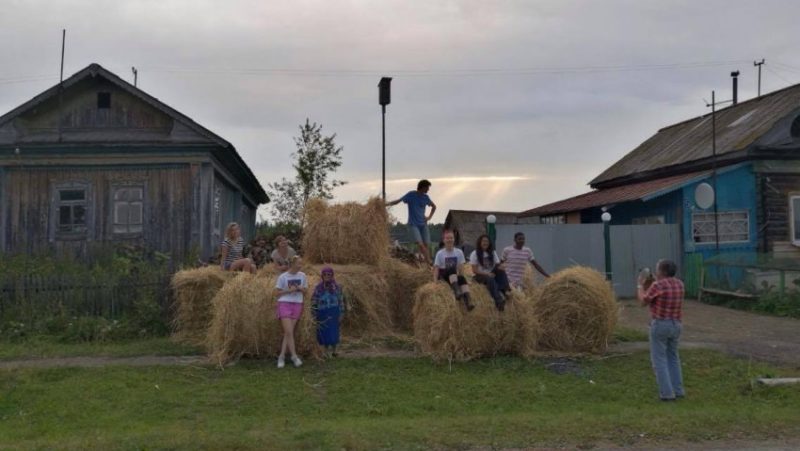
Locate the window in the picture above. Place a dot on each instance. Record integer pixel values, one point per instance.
(103, 100)
(554, 219)
(128, 209)
(794, 218)
(734, 227)
(71, 210)
(648, 220)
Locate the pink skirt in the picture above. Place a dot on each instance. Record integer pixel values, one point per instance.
(290, 310)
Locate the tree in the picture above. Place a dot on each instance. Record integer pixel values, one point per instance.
(315, 159)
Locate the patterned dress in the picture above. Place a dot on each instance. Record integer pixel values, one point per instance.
(328, 304)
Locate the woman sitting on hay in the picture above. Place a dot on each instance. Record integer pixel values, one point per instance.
(448, 266)
(231, 251)
(489, 271)
(282, 254)
(328, 302)
(291, 287)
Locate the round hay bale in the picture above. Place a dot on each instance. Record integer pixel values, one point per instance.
(577, 311)
(444, 330)
(348, 233)
(404, 280)
(193, 290)
(244, 322)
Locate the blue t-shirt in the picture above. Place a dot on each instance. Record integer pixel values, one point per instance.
(416, 207)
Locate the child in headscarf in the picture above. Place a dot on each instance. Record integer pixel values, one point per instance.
(328, 304)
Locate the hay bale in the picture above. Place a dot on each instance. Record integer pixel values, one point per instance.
(404, 280)
(348, 233)
(577, 311)
(193, 290)
(244, 322)
(444, 330)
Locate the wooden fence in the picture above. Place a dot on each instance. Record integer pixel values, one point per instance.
(32, 297)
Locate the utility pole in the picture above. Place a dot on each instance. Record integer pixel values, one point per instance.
(759, 64)
(61, 80)
(713, 106)
(384, 98)
(135, 75)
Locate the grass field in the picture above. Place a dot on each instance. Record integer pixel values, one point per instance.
(44, 346)
(391, 403)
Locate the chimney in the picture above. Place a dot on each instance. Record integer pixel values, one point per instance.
(735, 76)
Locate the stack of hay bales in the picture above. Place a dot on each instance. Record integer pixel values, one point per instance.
(445, 330)
(244, 322)
(348, 233)
(194, 290)
(403, 282)
(577, 311)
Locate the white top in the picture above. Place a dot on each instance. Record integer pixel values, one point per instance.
(287, 280)
(487, 266)
(449, 260)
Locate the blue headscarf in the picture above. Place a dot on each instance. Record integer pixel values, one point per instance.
(330, 286)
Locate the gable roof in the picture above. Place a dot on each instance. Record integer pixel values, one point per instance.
(610, 196)
(738, 128)
(94, 70)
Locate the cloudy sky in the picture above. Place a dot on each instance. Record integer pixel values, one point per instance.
(503, 105)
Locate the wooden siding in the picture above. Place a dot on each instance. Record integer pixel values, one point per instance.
(773, 207)
(29, 201)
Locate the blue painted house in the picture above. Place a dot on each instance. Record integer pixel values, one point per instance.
(757, 172)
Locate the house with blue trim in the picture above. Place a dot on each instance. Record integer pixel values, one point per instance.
(755, 169)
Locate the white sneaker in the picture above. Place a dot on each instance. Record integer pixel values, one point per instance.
(296, 361)
(281, 362)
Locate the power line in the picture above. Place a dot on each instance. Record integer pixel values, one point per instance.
(775, 73)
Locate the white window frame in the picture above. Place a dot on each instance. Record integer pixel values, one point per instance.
(121, 197)
(554, 219)
(794, 238)
(707, 218)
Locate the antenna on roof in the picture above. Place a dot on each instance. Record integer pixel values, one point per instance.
(61, 80)
(135, 75)
(759, 64)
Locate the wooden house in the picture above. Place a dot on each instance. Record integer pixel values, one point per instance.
(468, 225)
(96, 160)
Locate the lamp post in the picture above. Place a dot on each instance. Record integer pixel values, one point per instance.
(490, 228)
(384, 98)
(606, 217)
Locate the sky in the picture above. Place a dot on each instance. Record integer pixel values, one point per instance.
(503, 105)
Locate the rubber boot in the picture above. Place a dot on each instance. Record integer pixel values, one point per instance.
(467, 303)
(456, 290)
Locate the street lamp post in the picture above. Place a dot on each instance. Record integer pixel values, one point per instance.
(491, 230)
(384, 98)
(606, 217)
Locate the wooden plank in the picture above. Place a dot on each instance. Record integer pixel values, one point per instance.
(728, 293)
(774, 382)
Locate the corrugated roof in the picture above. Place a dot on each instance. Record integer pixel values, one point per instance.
(610, 196)
(738, 127)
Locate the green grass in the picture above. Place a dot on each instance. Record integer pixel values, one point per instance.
(627, 334)
(390, 404)
(43, 346)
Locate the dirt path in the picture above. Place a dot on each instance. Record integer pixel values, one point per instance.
(766, 338)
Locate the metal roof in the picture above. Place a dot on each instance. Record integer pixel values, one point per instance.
(611, 196)
(738, 127)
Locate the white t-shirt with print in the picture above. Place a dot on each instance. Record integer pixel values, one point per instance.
(287, 280)
(449, 260)
(487, 266)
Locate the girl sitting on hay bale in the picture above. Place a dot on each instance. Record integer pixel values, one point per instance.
(489, 271)
(290, 287)
(231, 250)
(448, 265)
(328, 302)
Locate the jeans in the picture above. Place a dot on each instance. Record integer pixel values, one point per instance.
(494, 284)
(664, 337)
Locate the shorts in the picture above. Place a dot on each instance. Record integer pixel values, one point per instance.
(419, 233)
(291, 310)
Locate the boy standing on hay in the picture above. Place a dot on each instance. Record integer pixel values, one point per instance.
(516, 259)
(417, 202)
(665, 298)
(448, 266)
(291, 287)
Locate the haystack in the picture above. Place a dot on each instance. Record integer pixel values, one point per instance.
(404, 280)
(244, 322)
(577, 311)
(348, 233)
(444, 330)
(194, 289)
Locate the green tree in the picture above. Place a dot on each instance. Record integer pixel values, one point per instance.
(315, 159)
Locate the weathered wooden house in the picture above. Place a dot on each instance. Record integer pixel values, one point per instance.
(468, 225)
(96, 160)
